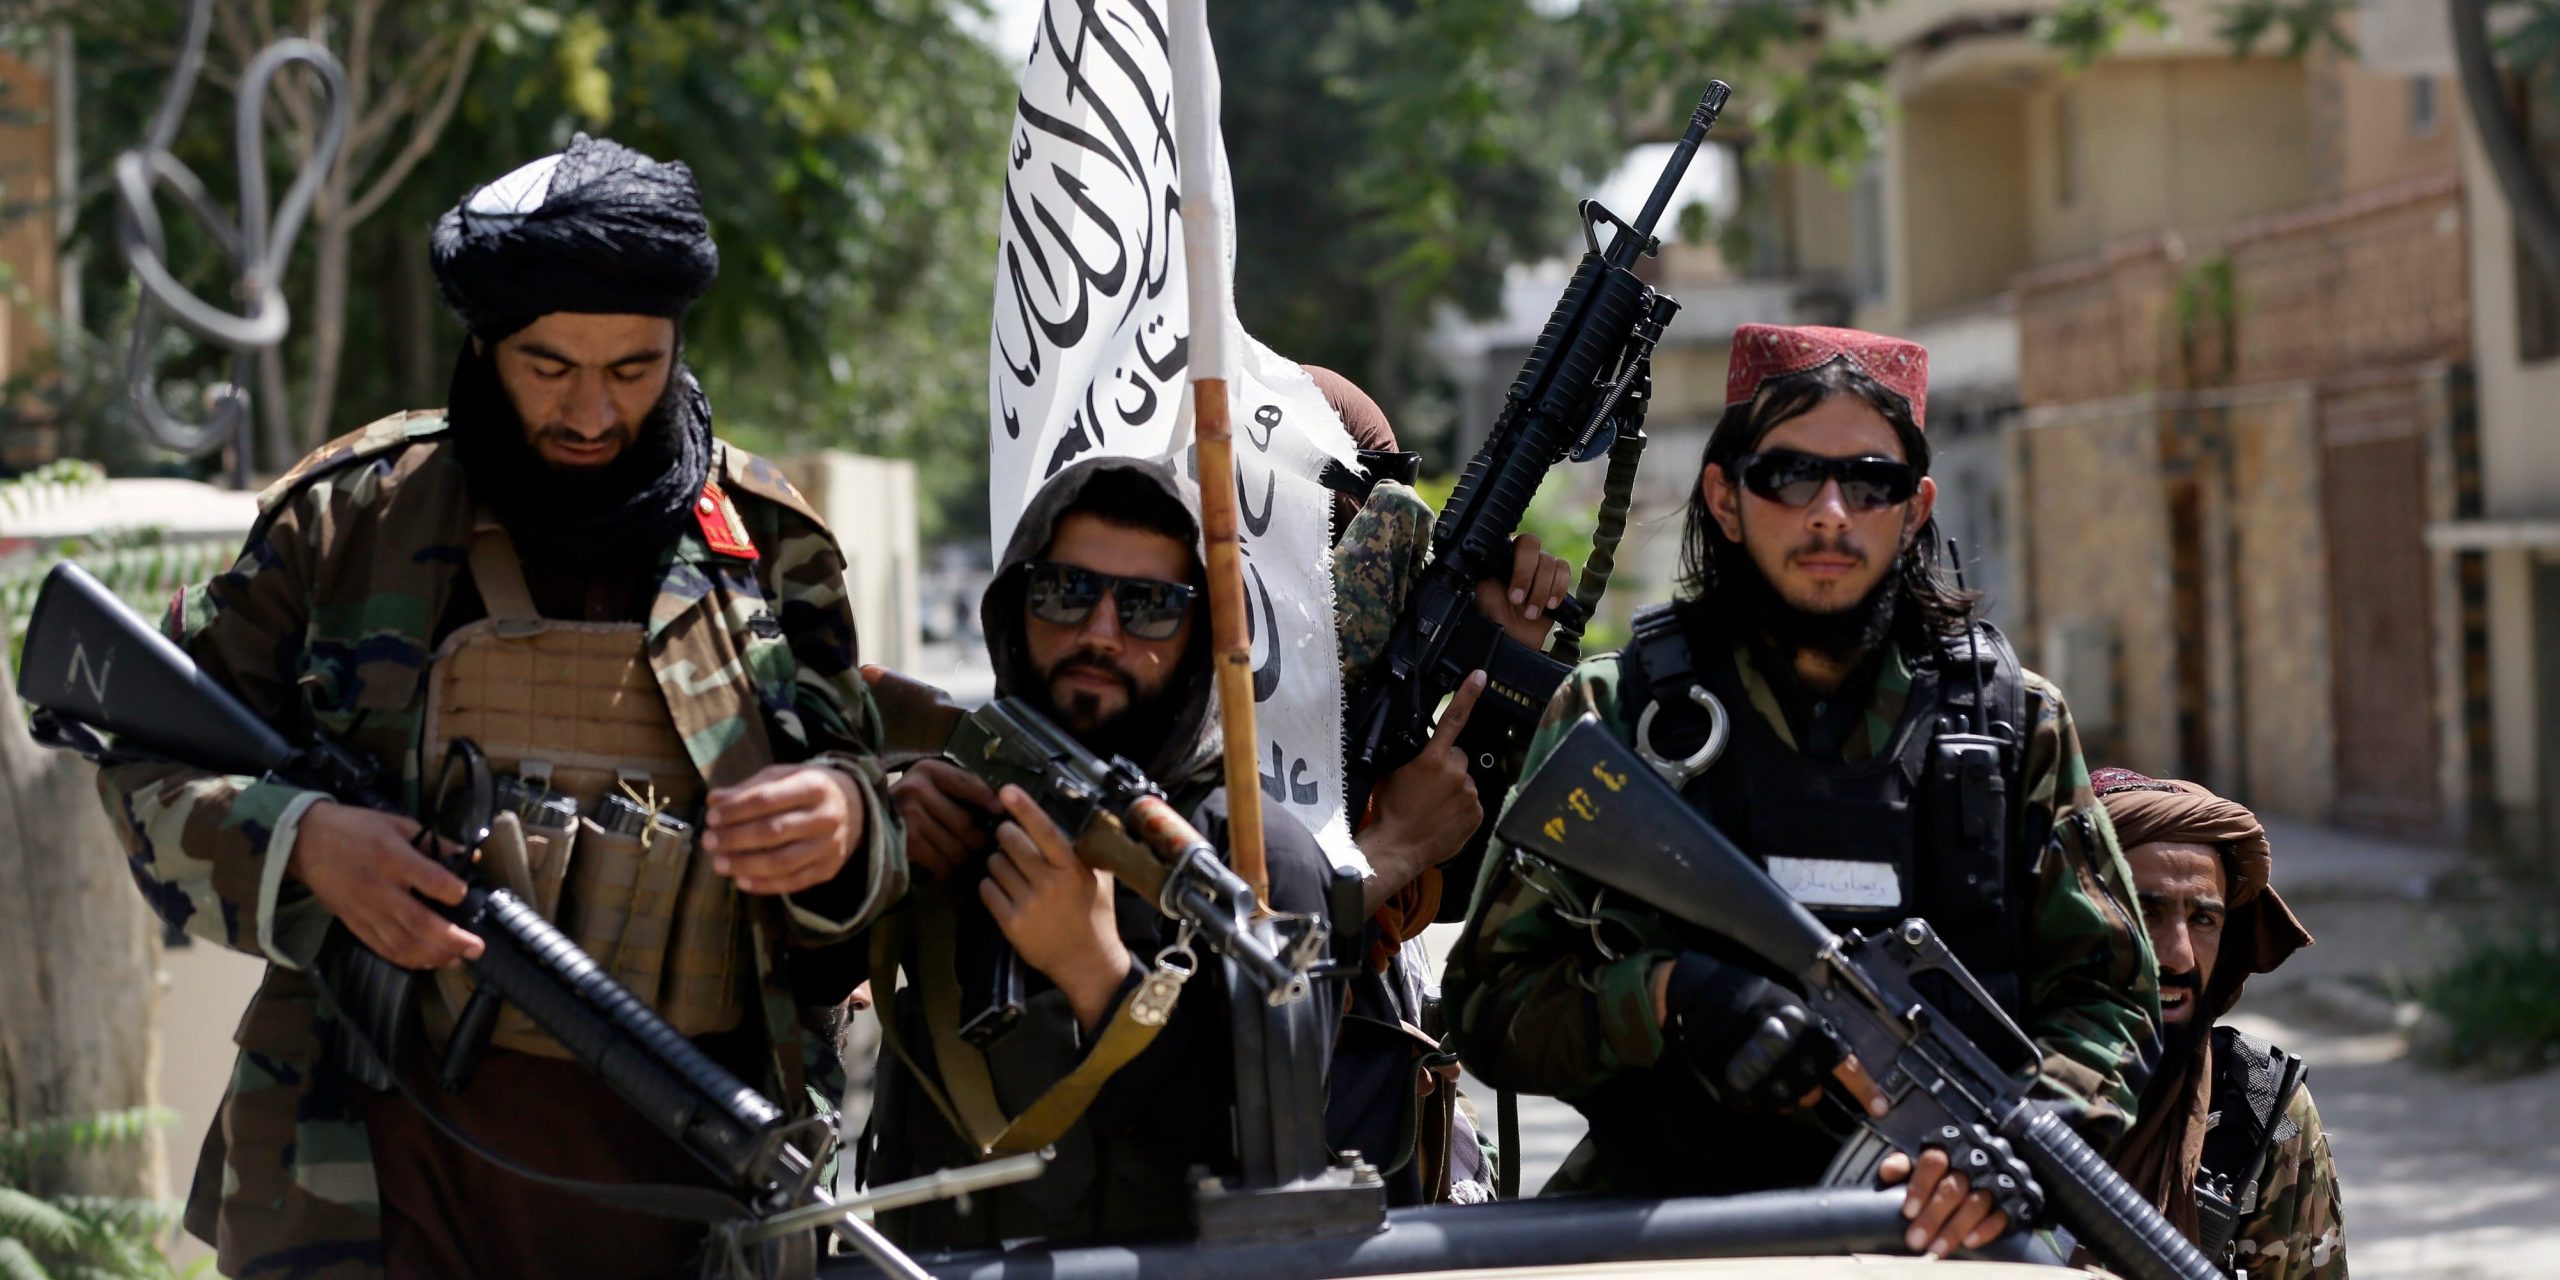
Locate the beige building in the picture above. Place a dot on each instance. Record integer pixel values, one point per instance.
(2200, 332)
(2505, 543)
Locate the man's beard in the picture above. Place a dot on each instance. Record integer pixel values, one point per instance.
(621, 512)
(1754, 602)
(2178, 1039)
(1136, 730)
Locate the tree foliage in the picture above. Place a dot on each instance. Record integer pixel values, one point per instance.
(849, 151)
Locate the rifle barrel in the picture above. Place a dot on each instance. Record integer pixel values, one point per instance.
(1702, 119)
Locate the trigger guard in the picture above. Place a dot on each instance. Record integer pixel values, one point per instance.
(1679, 772)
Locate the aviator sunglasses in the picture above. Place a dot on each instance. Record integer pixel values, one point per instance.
(1065, 594)
(1867, 483)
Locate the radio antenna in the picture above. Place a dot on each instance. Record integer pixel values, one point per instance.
(1973, 641)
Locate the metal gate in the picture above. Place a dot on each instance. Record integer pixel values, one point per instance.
(2381, 623)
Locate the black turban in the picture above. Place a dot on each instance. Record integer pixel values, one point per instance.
(599, 229)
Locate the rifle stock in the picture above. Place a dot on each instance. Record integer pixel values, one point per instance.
(1593, 808)
(91, 664)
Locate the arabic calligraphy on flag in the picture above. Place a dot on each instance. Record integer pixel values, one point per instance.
(1090, 355)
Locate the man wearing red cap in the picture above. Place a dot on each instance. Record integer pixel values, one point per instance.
(1826, 695)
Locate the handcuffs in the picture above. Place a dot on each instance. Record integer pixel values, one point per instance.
(1679, 772)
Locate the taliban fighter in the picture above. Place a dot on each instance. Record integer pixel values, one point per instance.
(635, 621)
(1816, 619)
(2229, 1147)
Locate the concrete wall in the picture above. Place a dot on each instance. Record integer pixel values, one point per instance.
(2164, 143)
(1964, 201)
(2083, 506)
(2282, 723)
(2368, 133)
(870, 504)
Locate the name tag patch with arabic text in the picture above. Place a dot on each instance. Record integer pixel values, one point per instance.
(1838, 882)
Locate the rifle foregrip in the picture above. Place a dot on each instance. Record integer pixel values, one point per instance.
(643, 1059)
(2103, 1210)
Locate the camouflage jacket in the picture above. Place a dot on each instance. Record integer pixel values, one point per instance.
(1536, 1007)
(2298, 1230)
(326, 622)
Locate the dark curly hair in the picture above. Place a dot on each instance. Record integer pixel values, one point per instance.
(1930, 599)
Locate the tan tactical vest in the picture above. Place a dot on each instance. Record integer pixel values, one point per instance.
(576, 705)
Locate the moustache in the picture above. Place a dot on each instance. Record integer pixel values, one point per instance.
(2186, 979)
(1093, 662)
(1834, 545)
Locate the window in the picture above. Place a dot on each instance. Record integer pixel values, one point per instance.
(2066, 148)
(2423, 114)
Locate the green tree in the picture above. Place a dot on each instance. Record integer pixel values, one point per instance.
(850, 155)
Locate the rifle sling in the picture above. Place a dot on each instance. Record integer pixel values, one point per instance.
(966, 1094)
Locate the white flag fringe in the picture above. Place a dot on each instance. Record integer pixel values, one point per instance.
(1093, 343)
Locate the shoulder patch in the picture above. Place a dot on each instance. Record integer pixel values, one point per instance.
(721, 527)
(743, 474)
(381, 436)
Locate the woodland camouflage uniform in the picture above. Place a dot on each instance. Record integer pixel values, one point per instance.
(326, 623)
(2091, 991)
(2297, 1232)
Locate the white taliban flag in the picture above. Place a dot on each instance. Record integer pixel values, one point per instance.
(1091, 355)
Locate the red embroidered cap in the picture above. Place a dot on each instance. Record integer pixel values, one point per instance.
(1765, 351)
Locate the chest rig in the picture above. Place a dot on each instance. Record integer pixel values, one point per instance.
(573, 711)
(2253, 1087)
(1920, 828)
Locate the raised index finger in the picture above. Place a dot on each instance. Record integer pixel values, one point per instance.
(1462, 704)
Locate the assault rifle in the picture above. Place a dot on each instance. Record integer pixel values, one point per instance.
(1121, 823)
(1583, 385)
(91, 665)
(1597, 810)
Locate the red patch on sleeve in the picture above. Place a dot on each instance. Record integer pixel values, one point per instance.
(721, 526)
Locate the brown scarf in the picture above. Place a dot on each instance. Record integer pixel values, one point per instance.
(2161, 1154)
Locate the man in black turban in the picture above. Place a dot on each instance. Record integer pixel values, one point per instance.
(574, 413)
(646, 631)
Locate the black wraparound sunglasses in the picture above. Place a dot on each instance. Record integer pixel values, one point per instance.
(1065, 594)
(1866, 483)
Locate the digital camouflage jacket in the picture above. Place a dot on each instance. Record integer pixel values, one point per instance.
(326, 622)
(1536, 1007)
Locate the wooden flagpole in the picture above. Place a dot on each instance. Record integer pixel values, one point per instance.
(1212, 358)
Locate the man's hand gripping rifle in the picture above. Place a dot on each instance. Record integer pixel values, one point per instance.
(1121, 823)
(1583, 385)
(92, 666)
(1598, 811)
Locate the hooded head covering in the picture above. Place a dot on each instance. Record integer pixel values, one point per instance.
(598, 229)
(2160, 1156)
(1190, 743)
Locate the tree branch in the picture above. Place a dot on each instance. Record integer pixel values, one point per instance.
(401, 97)
(2502, 138)
(422, 139)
